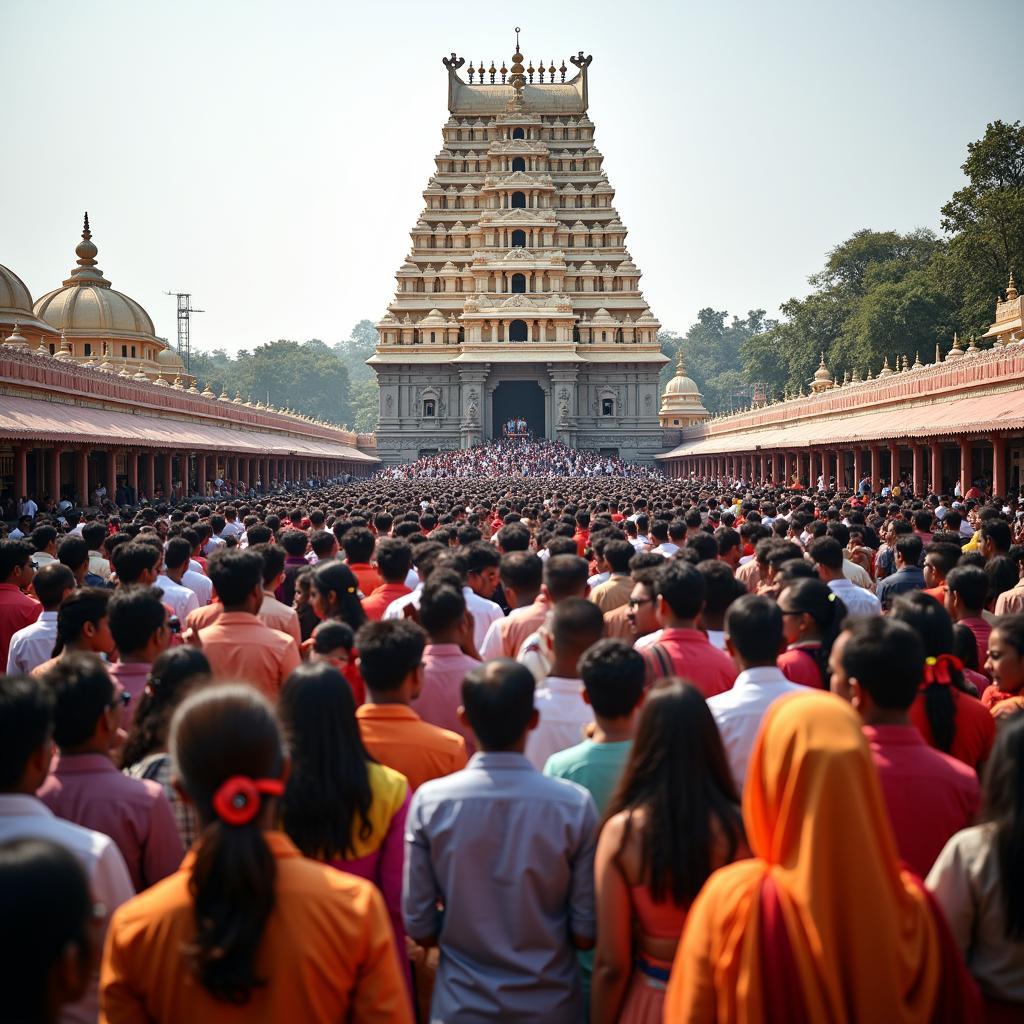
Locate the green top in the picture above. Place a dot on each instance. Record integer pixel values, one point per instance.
(595, 766)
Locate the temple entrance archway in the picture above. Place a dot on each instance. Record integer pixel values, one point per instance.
(518, 399)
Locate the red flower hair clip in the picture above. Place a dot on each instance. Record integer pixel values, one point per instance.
(237, 801)
(937, 669)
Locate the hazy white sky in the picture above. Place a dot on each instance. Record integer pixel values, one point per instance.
(270, 157)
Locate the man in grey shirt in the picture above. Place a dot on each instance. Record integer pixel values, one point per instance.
(508, 855)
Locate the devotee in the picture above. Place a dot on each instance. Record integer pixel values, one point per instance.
(358, 544)
(907, 575)
(612, 674)
(139, 625)
(274, 613)
(26, 751)
(393, 733)
(180, 598)
(565, 577)
(753, 638)
(827, 554)
(500, 810)
(521, 574)
(940, 558)
(812, 617)
(975, 882)
(248, 925)
(1005, 662)
(17, 609)
(144, 755)
(785, 935)
(82, 626)
(33, 644)
(615, 591)
(946, 714)
(877, 665)
(237, 644)
(393, 560)
(682, 649)
(576, 625)
(295, 544)
(94, 534)
(84, 785)
(44, 543)
(966, 590)
(673, 819)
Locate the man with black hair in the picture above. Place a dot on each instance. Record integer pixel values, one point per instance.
(482, 575)
(908, 575)
(358, 544)
(295, 543)
(136, 563)
(85, 787)
(181, 599)
(44, 541)
(522, 575)
(390, 662)
(393, 560)
(26, 751)
(827, 555)
(612, 674)
(83, 626)
(139, 625)
(33, 644)
(501, 815)
(995, 538)
(565, 576)
(17, 609)
(576, 624)
(940, 558)
(615, 591)
(683, 649)
(753, 638)
(94, 534)
(966, 594)
(877, 665)
(323, 547)
(238, 645)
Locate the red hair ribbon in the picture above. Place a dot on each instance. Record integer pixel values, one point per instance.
(237, 801)
(938, 669)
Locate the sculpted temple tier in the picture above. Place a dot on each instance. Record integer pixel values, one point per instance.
(519, 299)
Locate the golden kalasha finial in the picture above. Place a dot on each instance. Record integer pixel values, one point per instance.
(1011, 289)
(492, 71)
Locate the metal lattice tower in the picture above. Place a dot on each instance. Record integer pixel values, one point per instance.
(184, 311)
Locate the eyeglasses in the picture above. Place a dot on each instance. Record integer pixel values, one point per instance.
(635, 602)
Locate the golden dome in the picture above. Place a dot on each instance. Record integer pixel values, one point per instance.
(168, 357)
(16, 303)
(680, 384)
(682, 402)
(86, 305)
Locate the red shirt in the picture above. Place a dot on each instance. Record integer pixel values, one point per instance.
(582, 538)
(376, 603)
(368, 577)
(797, 664)
(690, 655)
(981, 630)
(975, 728)
(17, 610)
(930, 795)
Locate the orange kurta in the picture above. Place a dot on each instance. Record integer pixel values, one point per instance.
(327, 954)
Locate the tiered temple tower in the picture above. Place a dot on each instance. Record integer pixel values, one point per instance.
(519, 298)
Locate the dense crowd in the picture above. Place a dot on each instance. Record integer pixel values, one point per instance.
(516, 457)
(491, 745)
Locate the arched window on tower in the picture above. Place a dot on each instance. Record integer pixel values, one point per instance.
(518, 238)
(88, 349)
(517, 331)
(518, 133)
(518, 200)
(518, 164)
(429, 408)
(518, 284)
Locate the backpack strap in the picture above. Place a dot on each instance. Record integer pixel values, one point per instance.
(658, 663)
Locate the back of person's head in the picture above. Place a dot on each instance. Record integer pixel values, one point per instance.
(576, 624)
(513, 537)
(339, 589)
(82, 690)
(814, 598)
(997, 533)
(565, 576)
(1004, 808)
(753, 625)
(26, 723)
(358, 544)
(394, 559)
(704, 546)
(970, 584)
(721, 588)
(332, 635)
(679, 777)
(51, 584)
(136, 615)
(42, 537)
(613, 675)
(172, 675)
(273, 561)
(442, 606)
(44, 929)
(909, 547)
(13, 555)
(389, 651)
(259, 534)
(498, 701)
(523, 572)
(177, 553)
(72, 552)
(228, 757)
(683, 589)
(87, 605)
(886, 657)
(131, 560)
(1003, 574)
(94, 534)
(294, 542)
(826, 551)
(235, 574)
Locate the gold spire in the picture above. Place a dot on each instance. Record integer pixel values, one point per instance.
(518, 79)
(938, 353)
(680, 363)
(1011, 289)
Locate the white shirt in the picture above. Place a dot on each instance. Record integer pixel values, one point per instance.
(858, 601)
(563, 717)
(199, 584)
(181, 599)
(598, 578)
(857, 574)
(738, 712)
(666, 550)
(32, 645)
(647, 640)
(235, 529)
(716, 637)
(484, 612)
(25, 817)
(30, 508)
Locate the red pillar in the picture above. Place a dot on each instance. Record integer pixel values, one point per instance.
(919, 487)
(875, 469)
(894, 464)
(54, 484)
(110, 471)
(82, 475)
(998, 466)
(167, 475)
(20, 472)
(966, 466)
(857, 468)
(935, 475)
(133, 472)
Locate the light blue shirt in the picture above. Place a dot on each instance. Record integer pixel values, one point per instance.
(509, 854)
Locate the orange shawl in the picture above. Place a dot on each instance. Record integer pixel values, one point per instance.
(858, 934)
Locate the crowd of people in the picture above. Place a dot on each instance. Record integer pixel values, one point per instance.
(517, 457)
(496, 746)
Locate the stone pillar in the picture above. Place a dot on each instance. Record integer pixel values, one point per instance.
(201, 473)
(55, 482)
(935, 475)
(563, 402)
(875, 469)
(840, 456)
(998, 466)
(82, 476)
(894, 464)
(858, 472)
(148, 473)
(966, 466)
(133, 473)
(167, 478)
(110, 471)
(918, 485)
(761, 467)
(20, 472)
(473, 409)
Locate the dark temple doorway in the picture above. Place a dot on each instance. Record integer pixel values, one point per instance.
(517, 400)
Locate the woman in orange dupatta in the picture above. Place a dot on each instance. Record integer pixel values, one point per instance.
(822, 924)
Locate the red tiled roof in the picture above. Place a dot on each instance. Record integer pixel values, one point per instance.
(36, 420)
(980, 414)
